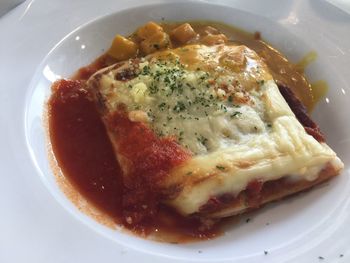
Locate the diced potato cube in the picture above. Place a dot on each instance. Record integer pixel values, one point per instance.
(236, 60)
(183, 33)
(209, 30)
(148, 30)
(122, 48)
(214, 39)
(154, 43)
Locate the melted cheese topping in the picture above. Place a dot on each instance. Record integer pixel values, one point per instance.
(222, 104)
(196, 94)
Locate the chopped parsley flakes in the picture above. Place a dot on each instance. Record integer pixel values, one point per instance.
(174, 94)
(180, 106)
(222, 168)
(236, 114)
(162, 106)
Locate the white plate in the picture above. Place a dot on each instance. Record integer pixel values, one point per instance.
(302, 229)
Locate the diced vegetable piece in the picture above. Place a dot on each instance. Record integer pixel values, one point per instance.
(209, 30)
(183, 33)
(122, 48)
(235, 60)
(148, 30)
(214, 39)
(155, 43)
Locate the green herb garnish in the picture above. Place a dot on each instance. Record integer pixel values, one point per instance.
(220, 167)
(236, 114)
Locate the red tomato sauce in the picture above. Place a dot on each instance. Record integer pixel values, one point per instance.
(82, 148)
(150, 159)
(86, 157)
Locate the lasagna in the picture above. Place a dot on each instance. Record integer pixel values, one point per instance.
(205, 129)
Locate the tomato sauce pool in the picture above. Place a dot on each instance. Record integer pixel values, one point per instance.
(85, 156)
(82, 148)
